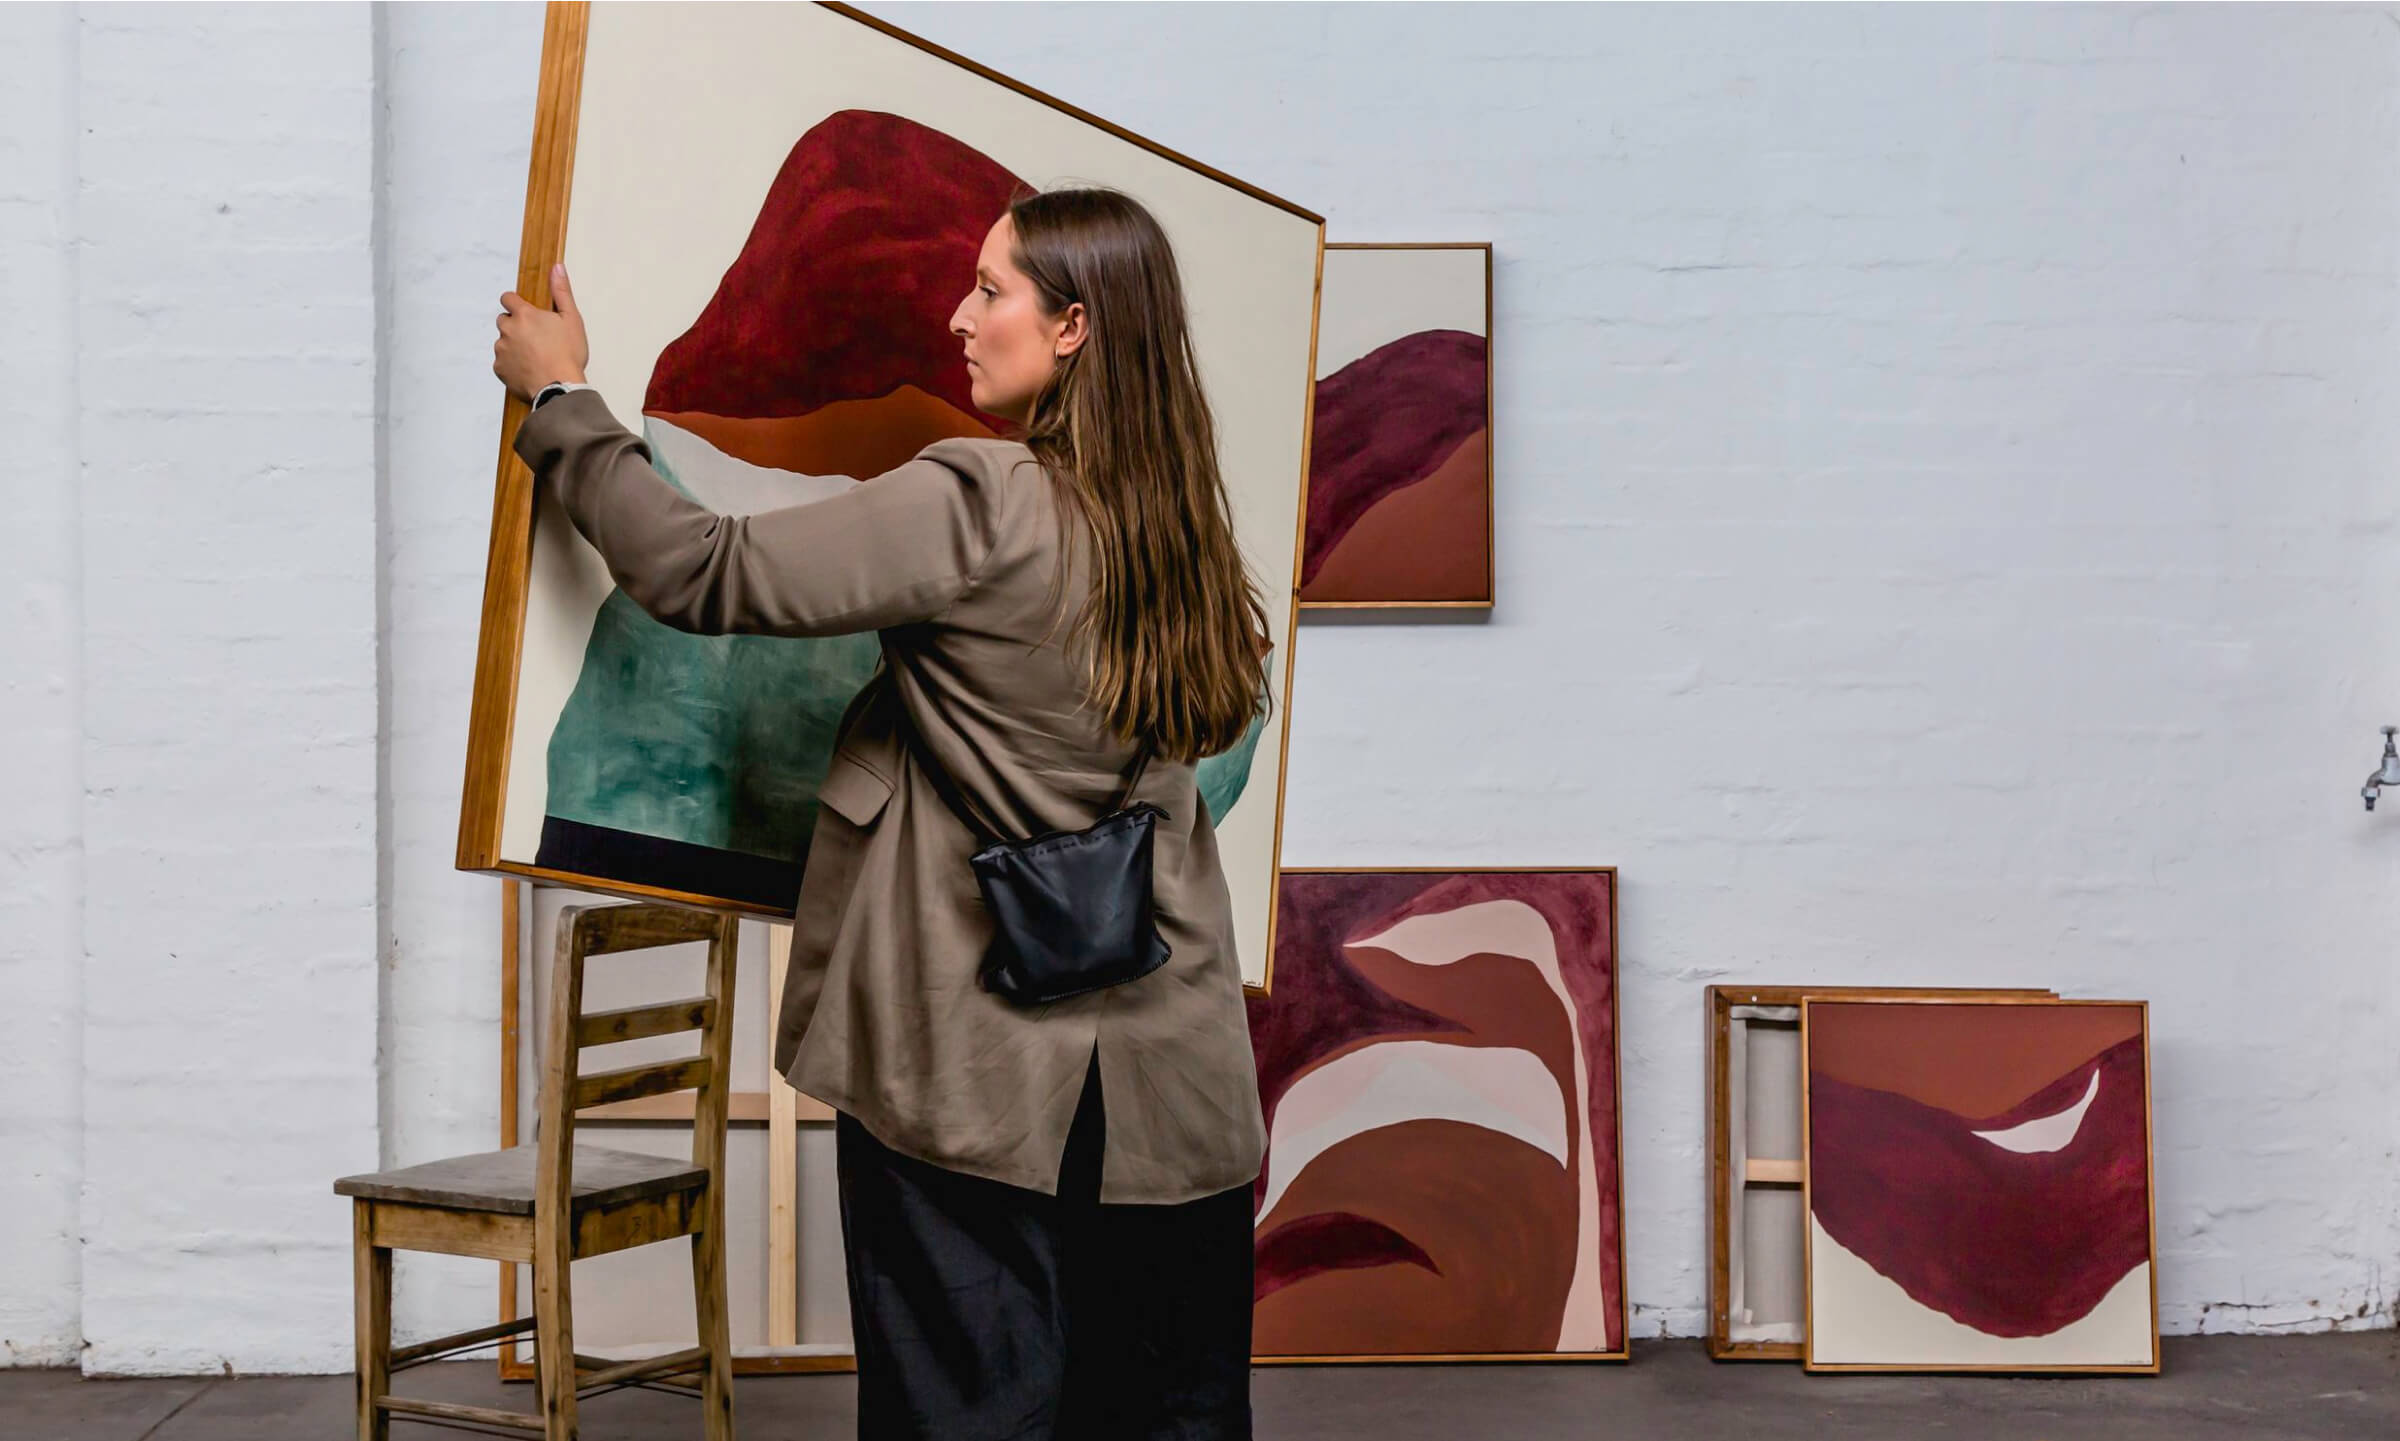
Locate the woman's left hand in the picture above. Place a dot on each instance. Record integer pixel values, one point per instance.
(540, 347)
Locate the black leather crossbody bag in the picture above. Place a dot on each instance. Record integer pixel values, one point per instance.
(1071, 910)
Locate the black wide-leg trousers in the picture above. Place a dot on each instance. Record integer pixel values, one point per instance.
(986, 1312)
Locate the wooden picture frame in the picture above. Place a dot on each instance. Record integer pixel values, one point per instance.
(2150, 1181)
(510, 564)
(1490, 597)
(1773, 1172)
(1624, 1307)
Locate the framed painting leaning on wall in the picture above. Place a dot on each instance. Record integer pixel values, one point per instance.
(1439, 1071)
(1977, 1185)
(770, 212)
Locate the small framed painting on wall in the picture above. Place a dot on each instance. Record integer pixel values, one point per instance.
(1400, 456)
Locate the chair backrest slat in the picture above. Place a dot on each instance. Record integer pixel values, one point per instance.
(635, 1023)
(608, 929)
(631, 1083)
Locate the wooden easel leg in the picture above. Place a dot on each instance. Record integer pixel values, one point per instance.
(371, 1286)
(708, 1294)
(554, 1341)
(708, 1152)
(783, 1168)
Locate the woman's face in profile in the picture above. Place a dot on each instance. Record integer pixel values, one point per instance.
(1011, 346)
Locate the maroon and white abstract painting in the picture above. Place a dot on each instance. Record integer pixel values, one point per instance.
(1438, 1064)
(1979, 1185)
(1400, 459)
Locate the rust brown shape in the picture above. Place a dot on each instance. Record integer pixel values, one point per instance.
(1428, 541)
(1969, 1060)
(856, 438)
(1489, 1211)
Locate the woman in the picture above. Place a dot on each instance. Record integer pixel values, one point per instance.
(1046, 1210)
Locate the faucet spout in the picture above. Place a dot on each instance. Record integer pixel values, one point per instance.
(2387, 773)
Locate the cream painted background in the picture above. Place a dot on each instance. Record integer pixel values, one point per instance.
(664, 197)
(1373, 297)
(1858, 1317)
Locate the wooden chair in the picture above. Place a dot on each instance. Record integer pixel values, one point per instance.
(555, 1202)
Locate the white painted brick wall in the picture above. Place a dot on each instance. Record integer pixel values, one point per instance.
(459, 100)
(228, 491)
(41, 896)
(1948, 534)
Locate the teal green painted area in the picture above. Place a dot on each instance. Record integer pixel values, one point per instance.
(713, 740)
(1225, 776)
(722, 741)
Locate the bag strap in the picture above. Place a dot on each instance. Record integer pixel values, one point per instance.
(956, 801)
(943, 786)
(1133, 779)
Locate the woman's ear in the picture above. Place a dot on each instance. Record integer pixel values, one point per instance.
(1073, 330)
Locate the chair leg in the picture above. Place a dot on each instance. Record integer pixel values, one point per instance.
(371, 1299)
(708, 1295)
(554, 1342)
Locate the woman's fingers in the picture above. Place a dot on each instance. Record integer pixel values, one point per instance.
(537, 344)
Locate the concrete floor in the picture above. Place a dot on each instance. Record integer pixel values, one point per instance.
(2249, 1387)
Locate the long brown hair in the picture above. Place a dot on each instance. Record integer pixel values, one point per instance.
(1174, 628)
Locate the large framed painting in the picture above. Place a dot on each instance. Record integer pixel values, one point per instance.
(770, 212)
(1400, 465)
(1438, 1065)
(1978, 1185)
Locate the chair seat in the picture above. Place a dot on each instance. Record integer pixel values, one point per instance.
(502, 1181)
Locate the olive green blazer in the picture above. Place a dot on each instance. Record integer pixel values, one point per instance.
(955, 560)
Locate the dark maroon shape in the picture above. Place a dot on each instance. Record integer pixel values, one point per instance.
(1387, 420)
(2009, 1244)
(1330, 1241)
(863, 248)
(1320, 1003)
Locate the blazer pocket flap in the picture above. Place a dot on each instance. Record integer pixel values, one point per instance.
(854, 792)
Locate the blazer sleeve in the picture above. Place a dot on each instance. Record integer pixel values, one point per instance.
(900, 548)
